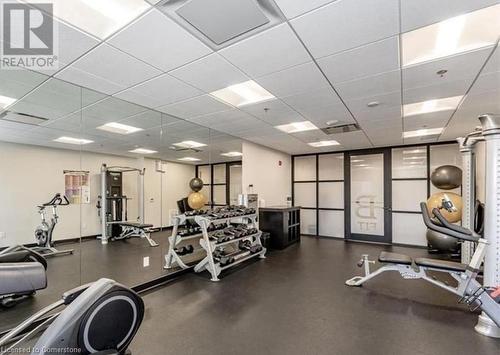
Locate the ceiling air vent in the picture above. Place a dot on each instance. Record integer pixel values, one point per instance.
(341, 128)
(219, 23)
(22, 118)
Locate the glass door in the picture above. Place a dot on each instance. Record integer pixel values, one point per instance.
(369, 202)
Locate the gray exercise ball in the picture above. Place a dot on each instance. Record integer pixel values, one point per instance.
(442, 242)
(196, 184)
(447, 177)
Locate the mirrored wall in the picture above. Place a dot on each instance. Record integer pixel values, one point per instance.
(77, 165)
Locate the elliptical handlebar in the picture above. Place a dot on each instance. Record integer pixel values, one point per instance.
(445, 227)
(57, 201)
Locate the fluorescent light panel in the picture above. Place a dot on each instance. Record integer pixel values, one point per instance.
(422, 132)
(98, 17)
(323, 143)
(6, 101)
(189, 159)
(243, 94)
(455, 35)
(295, 127)
(143, 151)
(232, 154)
(115, 127)
(71, 140)
(429, 106)
(189, 144)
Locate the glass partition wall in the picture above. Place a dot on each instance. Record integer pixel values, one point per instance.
(119, 169)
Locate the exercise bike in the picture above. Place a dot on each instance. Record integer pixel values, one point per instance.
(100, 318)
(470, 291)
(44, 232)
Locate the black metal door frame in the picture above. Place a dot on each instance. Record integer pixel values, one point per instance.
(387, 238)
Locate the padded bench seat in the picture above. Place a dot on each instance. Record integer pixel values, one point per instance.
(133, 225)
(394, 258)
(441, 264)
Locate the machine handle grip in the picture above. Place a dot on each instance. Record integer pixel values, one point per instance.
(449, 225)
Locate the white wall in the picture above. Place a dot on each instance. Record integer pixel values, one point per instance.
(262, 170)
(31, 175)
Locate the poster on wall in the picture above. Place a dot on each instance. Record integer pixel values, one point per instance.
(77, 186)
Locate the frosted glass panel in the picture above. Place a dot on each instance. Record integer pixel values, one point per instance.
(407, 195)
(331, 195)
(445, 155)
(331, 224)
(305, 168)
(331, 167)
(206, 192)
(235, 180)
(305, 194)
(204, 174)
(308, 221)
(219, 194)
(409, 162)
(408, 229)
(367, 194)
(220, 174)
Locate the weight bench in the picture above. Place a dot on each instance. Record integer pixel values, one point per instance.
(408, 268)
(135, 229)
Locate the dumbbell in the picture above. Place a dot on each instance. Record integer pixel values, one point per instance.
(247, 245)
(187, 249)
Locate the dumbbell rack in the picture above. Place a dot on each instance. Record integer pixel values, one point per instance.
(175, 239)
(209, 263)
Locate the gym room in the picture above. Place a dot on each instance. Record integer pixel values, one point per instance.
(250, 176)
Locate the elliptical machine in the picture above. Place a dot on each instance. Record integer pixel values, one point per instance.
(44, 232)
(100, 318)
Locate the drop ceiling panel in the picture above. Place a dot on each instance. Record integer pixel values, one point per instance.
(380, 84)
(343, 25)
(144, 120)
(320, 115)
(160, 91)
(17, 83)
(263, 53)
(159, 41)
(430, 120)
(104, 68)
(293, 8)
(301, 78)
(486, 82)
(418, 13)
(111, 109)
(197, 106)
(310, 100)
(493, 64)
(210, 73)
(371, 59)
(274, 112)
(385, 101)
(440, 90)
(460, 67)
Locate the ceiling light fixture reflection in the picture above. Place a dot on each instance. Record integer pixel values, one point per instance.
(143, 151)
(415, 151)
(423, 132)
(232, 154)
(115, 127)
(243, 94)
(189, 144)
(97, 17)
(296, 127)
(189, 159)
(71, 140)
(429, 106)
(452, 36)
(6, 101)
(323, 143)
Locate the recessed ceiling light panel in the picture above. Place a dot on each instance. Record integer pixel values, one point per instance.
(455, 35)
(189, 159)
(100, 18)
(423, 132)
(429, 106)
(115, 127)
(6, 101)
(232, 154)
(243, 94)
(296, 127)
(323, 143)
(143, 151)
(71, 140)
(189, 144)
